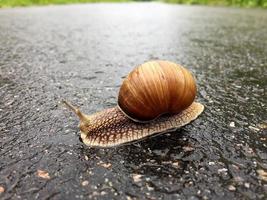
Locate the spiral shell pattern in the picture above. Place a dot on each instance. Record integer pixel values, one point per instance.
(156, 88)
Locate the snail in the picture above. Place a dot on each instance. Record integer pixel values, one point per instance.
(155, 98)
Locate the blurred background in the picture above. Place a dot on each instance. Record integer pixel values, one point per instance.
(242, 3)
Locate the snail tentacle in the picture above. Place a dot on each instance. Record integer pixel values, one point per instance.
(82, 116)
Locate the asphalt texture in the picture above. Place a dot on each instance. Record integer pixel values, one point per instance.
(81, 53)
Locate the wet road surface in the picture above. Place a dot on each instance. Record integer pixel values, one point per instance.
(82, 53)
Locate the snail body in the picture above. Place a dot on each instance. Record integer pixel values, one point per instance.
(156, 97)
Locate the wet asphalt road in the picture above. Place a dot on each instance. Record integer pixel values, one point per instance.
(82, 52)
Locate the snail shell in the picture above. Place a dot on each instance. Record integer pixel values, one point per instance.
(156, 88)
(121, 124)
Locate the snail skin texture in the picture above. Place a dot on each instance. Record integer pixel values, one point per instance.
(155, 98)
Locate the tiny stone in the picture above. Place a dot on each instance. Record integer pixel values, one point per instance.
(262, 174)
(165, 162)
(95, 193)
(43, 174)
(222, 170)
(86, 157)
(94, 187)
(84, 183)
(263, 125)
(254, 128)
(247, 185)
(235, 167)
(137, 177)
(188, 148)
(2, 189)
(211, 163)
(147, 179)
(238, 179)
(175, 164)
(232, 188)
(105, 165)
(232, 124)
(129, 198)
(149, 188)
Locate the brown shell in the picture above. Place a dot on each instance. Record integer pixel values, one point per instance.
(155, 88)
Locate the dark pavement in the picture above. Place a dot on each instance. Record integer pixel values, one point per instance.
(82, 52)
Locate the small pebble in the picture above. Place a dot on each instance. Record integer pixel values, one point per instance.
(2, 189)
(211, 163)
(95, 193)
(254, 128)
(262, 174)
(263, 125)
(238, 179)
(149, 188)
(84, 183)
(67, 131)
(175, 164)
(128, 198)
(43, 174)
(232, 188)
(222, 170)
(247, 185)
(137, 177)
(105, 165)
(188, 148)
(232, 124)
(235, 167)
